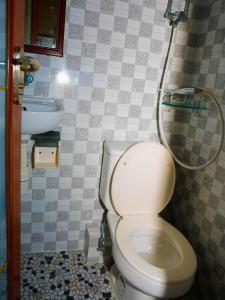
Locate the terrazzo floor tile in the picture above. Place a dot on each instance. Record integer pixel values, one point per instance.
(33, 276)
(63, 275)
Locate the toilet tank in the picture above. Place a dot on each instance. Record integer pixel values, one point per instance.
(112, 151)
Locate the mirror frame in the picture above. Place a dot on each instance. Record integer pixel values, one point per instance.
(58, 50)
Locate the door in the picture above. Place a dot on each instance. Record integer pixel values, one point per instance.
(3, 72)
(15, 41)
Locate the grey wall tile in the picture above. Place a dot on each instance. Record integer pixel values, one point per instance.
(62, 216)
(64, 194)
(142, 58)
(101, 66)
(52, 205)
(37, 217)
(113, 82)
(145, 30)
(107, 6)
(65, 171)
(131, 41)
(73, 62)
(116, 54)
(91, 18)
(61, 236)
(88, 50)
(104, 36)
(78, 3)
(135, 12)
(38, 194)
(120, 24)
(52, 182)
(50, 226)
(127, 70)
(41, 88)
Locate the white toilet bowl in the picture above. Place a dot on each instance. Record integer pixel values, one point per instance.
(154, 258)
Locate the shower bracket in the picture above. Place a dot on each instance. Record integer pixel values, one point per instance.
(176, 16)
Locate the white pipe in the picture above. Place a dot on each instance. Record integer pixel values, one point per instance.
(163, 78)
(209, 94)
(187, 90)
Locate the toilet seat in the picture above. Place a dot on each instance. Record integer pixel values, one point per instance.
(141, 186)
(143, 180)
(181, 272)
(152, 255)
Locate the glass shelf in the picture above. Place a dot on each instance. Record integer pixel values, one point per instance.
(184, 105)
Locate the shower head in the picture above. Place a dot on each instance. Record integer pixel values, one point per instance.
(177, 16)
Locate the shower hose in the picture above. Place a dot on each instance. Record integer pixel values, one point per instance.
(204, 92)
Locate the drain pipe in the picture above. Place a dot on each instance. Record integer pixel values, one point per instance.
(25, 173)
(101, 240)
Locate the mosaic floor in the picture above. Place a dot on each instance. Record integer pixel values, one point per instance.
(62, 275)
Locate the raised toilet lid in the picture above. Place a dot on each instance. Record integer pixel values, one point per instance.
(143, 180)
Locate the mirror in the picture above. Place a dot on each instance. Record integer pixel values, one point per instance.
(44, 26)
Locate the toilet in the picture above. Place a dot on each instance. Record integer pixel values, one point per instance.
(154, 259)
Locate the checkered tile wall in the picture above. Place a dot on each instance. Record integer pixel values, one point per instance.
(114, 52)
(198, 206)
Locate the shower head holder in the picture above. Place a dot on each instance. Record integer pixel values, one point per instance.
(177, 16)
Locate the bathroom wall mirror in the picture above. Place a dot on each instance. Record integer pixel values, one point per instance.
(44, 26)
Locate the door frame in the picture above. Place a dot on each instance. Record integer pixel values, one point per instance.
(15, 38)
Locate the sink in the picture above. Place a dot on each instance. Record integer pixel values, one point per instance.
(40, 116)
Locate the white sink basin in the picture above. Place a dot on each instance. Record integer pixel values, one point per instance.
(40, 116)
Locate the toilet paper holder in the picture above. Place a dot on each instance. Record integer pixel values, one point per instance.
(46, 157)
(46, 150)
